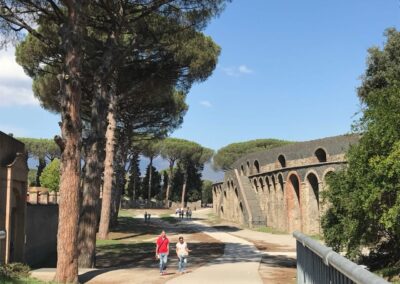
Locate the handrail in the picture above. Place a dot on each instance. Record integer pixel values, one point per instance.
(330, 258)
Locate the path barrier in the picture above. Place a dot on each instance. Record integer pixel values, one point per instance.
(318, 264)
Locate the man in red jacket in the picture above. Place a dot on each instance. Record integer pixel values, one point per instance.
(162, 251)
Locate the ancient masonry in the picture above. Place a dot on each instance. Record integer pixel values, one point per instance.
(281, 187)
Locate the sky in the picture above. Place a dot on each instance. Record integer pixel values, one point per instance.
(288, 69)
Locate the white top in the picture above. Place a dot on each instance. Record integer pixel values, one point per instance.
(181, 248)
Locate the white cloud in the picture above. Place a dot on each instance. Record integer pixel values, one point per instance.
(237, 71)
(206, 103)
(15, 85)
(244, 69)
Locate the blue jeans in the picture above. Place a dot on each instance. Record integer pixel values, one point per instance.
(163, 261)
(182, 262)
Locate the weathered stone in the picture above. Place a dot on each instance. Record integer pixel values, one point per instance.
(281, 187)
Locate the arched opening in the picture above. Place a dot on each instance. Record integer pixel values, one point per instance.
(222, 209)
(225, 194)
(248, 168)
(241, 206)
(257, 166)
(282, 161)
(313, 204)
(242, 170)
(280, 180)
(267, 183)
(293, 203)
(273, 182)
(261, 182)
(236, 192)
(255, 184)
(321, 155)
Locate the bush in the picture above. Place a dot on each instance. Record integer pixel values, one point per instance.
(14, 271)
(50, 177)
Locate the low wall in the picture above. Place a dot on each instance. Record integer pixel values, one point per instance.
(191, 205)
(41, 235)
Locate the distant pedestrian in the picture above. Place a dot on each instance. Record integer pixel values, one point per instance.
(162, 251)
(182, 251)
(189, 212)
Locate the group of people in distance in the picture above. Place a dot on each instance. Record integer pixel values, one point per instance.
(162, 252)
(181, 213)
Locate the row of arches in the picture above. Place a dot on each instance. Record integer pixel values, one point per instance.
(290, 203)
(320, 155)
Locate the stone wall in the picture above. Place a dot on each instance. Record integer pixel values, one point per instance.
(281, 187)
(41, 235)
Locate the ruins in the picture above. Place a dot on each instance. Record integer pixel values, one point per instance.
(13, 186)
(281, 188)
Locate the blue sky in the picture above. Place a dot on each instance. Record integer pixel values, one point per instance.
(288, 70)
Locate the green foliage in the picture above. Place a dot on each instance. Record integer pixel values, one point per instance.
(226, 156)
(365, 198)
(32, 177)
(134, 182)
(206, 192)
(41, 148)
(155, 184)
(50, 177)
(14, 270)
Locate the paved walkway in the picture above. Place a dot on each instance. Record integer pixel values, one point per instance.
(239, 264)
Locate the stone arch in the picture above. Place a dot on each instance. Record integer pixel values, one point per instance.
(255, 184)
(222, 209)
(267, 183)
(225, 193)
(236, 192)
(241, 207)
(257, 166)
(313, 207)
(248, 169)
(280, 181)
(261, 182)
(241, 170)
(293, 202)
(321, 155)
(282, 161)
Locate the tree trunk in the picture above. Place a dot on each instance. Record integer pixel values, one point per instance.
(150, 179)
(92, 182)
(171, 172)
(108, 170)
(70, 145)
(120, 180)
(41, 166)
(185, 178)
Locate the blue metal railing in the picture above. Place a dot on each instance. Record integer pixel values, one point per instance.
(318, 264)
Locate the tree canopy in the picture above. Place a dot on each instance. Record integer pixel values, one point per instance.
(365, 198)
(226, 156)
(50, 177)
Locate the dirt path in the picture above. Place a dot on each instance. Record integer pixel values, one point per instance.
(221, 253)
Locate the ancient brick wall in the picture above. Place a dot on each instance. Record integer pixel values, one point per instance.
(286, 182)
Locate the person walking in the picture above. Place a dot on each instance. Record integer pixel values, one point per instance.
(182, 251)
(162, 251)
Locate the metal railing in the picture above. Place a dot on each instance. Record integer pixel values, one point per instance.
(318, 264)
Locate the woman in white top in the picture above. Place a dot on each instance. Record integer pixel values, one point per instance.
(182, 252)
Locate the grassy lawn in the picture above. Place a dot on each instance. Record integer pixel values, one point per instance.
(23, 281)
(168, 218)
(269, 230)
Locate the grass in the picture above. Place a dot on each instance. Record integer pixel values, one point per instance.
(390, 273)
(100, 243)
(265, 229)
(168, 218)
(213, 219)
(22, 281)
(126, 213)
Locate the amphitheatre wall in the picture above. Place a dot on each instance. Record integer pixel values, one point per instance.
(281, 188)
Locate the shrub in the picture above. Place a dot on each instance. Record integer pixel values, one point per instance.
(14, 271)
(50, 177)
